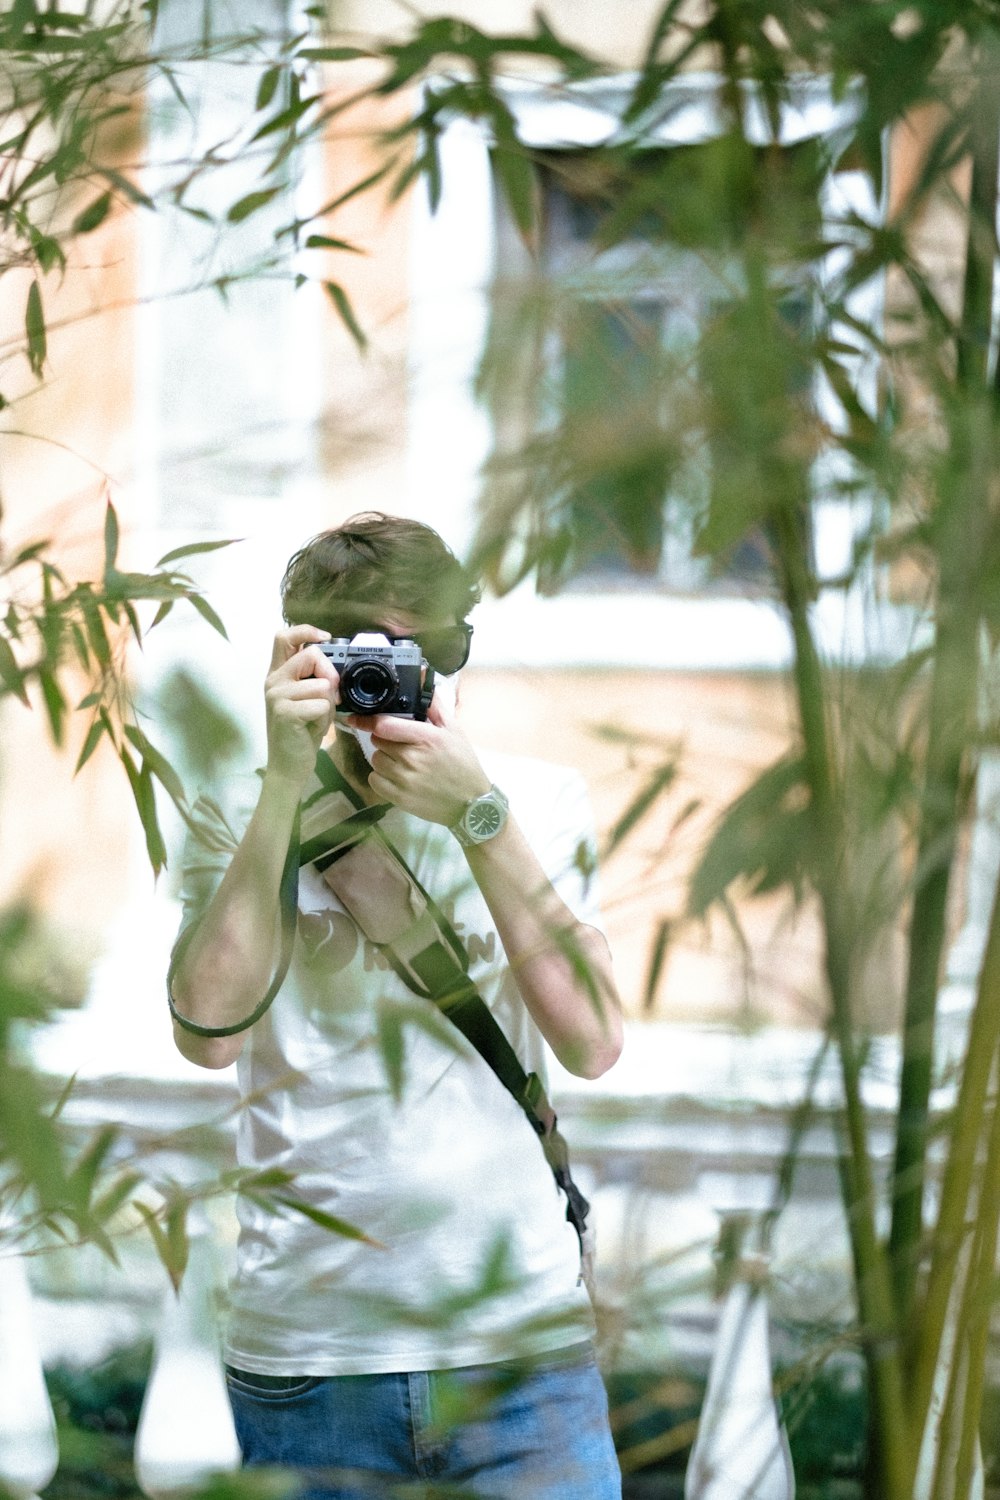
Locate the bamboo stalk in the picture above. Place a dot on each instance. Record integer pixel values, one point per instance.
(874, 1290)
(966, 1131)
(977, 1306)
(951, 716)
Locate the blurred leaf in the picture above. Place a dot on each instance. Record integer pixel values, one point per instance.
(95, 734)
(66, 1093)
(208, 733)
(193, 548)
(661, 780)
(206, 611)
(342, 303)
(762, 838)
(327, 1221)
(55, 703)
(335, 54)
(324, 242)
(657, 959)
(178, 1242)
(391, 1048)
(10, 673)
(141, 782)
(516, 175)
(160, 1241)
(251, 203)
(356, 189)
(93, 216)
(267, 87)
(159, 765)
(85, 1170)
(96, 634)
(127, 188)
(28, 1139)
(34, 329)
(110, 540)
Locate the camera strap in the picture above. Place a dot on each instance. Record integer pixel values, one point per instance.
(395, 912)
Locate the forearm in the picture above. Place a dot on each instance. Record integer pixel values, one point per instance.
(561, 966)
(225, 969)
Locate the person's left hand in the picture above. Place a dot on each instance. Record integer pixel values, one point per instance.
(429, 769)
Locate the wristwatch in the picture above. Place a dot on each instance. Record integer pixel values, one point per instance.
(481, 819)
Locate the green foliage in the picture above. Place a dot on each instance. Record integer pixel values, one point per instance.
(761, 839)
(56, 633)
(704, 429)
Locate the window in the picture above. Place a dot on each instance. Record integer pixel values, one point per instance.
(466, 415)
(641, 271)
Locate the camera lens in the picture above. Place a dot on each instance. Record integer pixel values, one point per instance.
(368, 686)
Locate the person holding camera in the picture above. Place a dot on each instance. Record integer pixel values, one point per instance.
(385, 929)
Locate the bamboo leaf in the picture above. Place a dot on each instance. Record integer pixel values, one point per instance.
(392, 1048)
(353, 192)
(93, 215)
(206, 611)
(341, 302)
(251, 203)
(55, 703)
(65, 1095)
(11, 675)
(159, 1239)
(659, 782)
(34, 328)
(516, 175)
(325, 242)
(145, 802)
(178, 1241)
(110, 540)
(108, 1204)
(83, 1174)
(158, 764)
(193, 548)
(27, 554)
(657, 959)
(95, 734)
(335, 54)
(127, 188)
(96, 634)
(761, 838)
(133, 619)
(327, 1221)
(267, 88)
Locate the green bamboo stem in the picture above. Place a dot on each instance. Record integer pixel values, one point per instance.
(966, 1132)
(951, 717)
(959, 1425)
(945, 1454)
(874, 1290)
(979, 1306)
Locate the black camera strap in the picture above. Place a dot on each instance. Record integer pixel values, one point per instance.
(419, 943)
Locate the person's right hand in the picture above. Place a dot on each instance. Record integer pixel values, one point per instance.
(301, 692)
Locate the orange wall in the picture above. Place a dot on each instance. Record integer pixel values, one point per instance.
(722, 728)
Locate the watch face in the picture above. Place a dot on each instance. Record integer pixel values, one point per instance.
(483, 820)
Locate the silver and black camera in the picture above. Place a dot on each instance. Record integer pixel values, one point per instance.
(377, 675)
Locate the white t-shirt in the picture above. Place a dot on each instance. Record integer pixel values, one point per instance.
(390, 1121)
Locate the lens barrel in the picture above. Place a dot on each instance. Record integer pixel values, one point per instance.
(367, 686)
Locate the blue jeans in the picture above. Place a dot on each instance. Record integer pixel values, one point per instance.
(532, 1431)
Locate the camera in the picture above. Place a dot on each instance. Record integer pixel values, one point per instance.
(377, 676)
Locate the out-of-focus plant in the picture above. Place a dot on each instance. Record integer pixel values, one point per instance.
(863, 816)
(73, 88)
